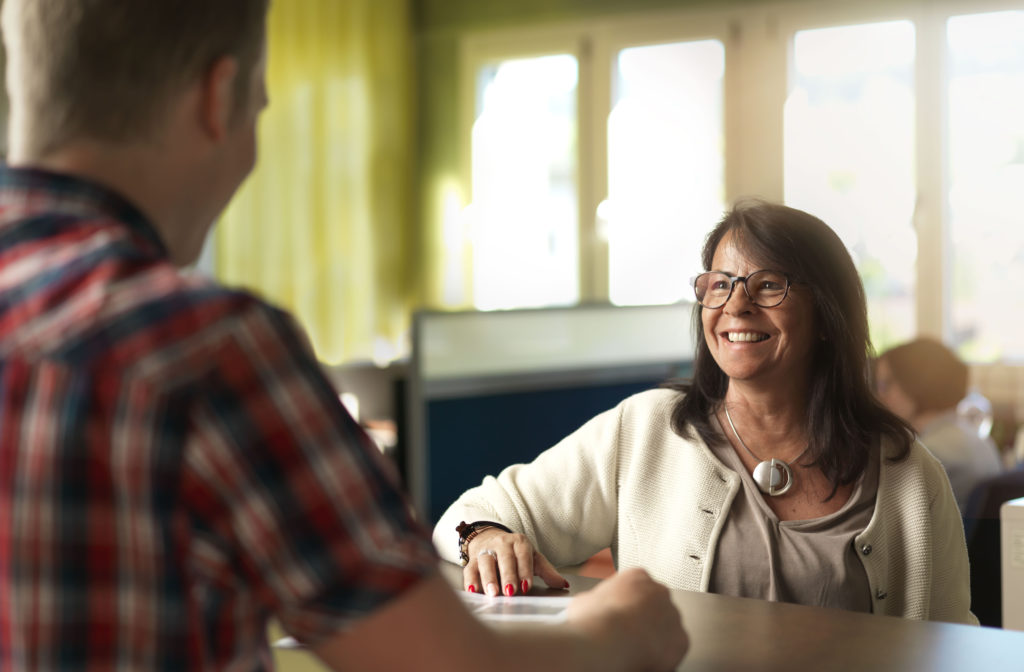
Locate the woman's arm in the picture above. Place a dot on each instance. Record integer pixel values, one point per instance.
(951, 576)
(564, 502)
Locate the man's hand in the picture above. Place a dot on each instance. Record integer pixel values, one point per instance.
(636, 618)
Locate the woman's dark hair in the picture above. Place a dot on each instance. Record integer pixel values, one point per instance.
(930, 373)
(844, 419)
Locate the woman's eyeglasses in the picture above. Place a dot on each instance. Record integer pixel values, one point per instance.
(764, 288)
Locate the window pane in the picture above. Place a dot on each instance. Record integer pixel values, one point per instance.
(986, 198)
(525, 204)
(665, 167)
(849, 156)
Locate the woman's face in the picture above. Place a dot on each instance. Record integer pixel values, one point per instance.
(767, 346)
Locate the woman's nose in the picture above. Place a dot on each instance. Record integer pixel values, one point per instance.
(738, 302)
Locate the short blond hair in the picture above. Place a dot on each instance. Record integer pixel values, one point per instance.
(106, 69)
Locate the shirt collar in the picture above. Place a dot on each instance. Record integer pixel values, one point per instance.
(35, 189)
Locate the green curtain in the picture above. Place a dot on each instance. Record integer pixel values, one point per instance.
(323, 225)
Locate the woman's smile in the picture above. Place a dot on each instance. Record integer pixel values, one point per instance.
(746, 336)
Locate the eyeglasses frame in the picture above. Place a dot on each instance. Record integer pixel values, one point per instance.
(733, 279)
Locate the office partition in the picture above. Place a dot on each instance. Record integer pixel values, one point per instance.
(490, 389)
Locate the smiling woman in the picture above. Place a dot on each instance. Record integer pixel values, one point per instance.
(825, 484)
(794, 373)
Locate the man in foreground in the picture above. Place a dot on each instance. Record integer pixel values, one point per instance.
(174, 468)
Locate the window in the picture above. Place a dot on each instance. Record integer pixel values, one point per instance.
(525, 205)
(986, 183)
(665, 167)
(901, 125)
(595, 166)
(849, 156)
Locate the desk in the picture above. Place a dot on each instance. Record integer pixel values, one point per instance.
(734, 633)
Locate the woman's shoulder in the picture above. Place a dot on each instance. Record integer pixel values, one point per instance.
(920, 463)
(654, 401)
(648, 416)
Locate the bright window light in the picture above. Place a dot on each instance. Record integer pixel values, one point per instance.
(849, 156)
(665, 167)
(986, 197)
(525, 195)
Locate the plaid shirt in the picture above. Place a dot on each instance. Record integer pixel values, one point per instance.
(174, 467)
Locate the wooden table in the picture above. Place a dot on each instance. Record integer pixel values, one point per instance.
(728, 634)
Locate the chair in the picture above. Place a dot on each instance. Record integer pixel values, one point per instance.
(981, 528)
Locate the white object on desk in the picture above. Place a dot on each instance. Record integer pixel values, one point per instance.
(1011, 516)
(525, 608)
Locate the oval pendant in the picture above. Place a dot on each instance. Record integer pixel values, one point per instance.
(773, 477)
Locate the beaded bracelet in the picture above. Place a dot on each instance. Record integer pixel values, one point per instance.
(469, 530)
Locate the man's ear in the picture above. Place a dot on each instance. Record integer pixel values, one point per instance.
(217, 97)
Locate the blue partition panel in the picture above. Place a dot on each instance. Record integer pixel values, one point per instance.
(475, 436)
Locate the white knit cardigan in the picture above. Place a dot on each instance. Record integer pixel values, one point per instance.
(626, 480)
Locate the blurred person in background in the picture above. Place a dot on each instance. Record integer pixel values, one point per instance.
(922, 381)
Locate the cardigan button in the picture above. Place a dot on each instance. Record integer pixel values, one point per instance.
(880, 594)
(865, 549)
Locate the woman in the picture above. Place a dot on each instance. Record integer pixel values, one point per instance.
(773, 474)
(923, 381)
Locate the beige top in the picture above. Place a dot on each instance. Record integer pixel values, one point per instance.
(813, 562)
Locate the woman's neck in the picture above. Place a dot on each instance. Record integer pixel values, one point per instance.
(777, 417)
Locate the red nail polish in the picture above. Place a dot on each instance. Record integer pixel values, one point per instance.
(566, 585)
(471, 588)
(510, 589)
(525, 586)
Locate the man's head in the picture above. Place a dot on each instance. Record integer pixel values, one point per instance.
(920, 377)
(156, 99)
(106, 70)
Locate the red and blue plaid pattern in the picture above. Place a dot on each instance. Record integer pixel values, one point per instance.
(174, 467)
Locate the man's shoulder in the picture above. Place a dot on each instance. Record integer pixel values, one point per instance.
(183, 307)
(157, 317)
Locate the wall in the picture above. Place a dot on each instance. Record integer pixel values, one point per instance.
(462, 14)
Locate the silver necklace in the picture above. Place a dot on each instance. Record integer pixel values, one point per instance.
(773, 477)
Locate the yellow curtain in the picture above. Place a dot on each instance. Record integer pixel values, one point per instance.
(322, 226)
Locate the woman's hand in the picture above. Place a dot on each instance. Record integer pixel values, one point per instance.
(501, 563)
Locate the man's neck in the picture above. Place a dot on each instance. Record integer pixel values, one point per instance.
(136, 173)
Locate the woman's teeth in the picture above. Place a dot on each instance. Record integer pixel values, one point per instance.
(745, 337)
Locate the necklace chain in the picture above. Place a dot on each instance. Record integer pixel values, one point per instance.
(740, 439)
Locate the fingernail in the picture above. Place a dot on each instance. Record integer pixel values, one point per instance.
(492, 590)
(525, 586)
(566, 586)
(510, 590)
(471, 588)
